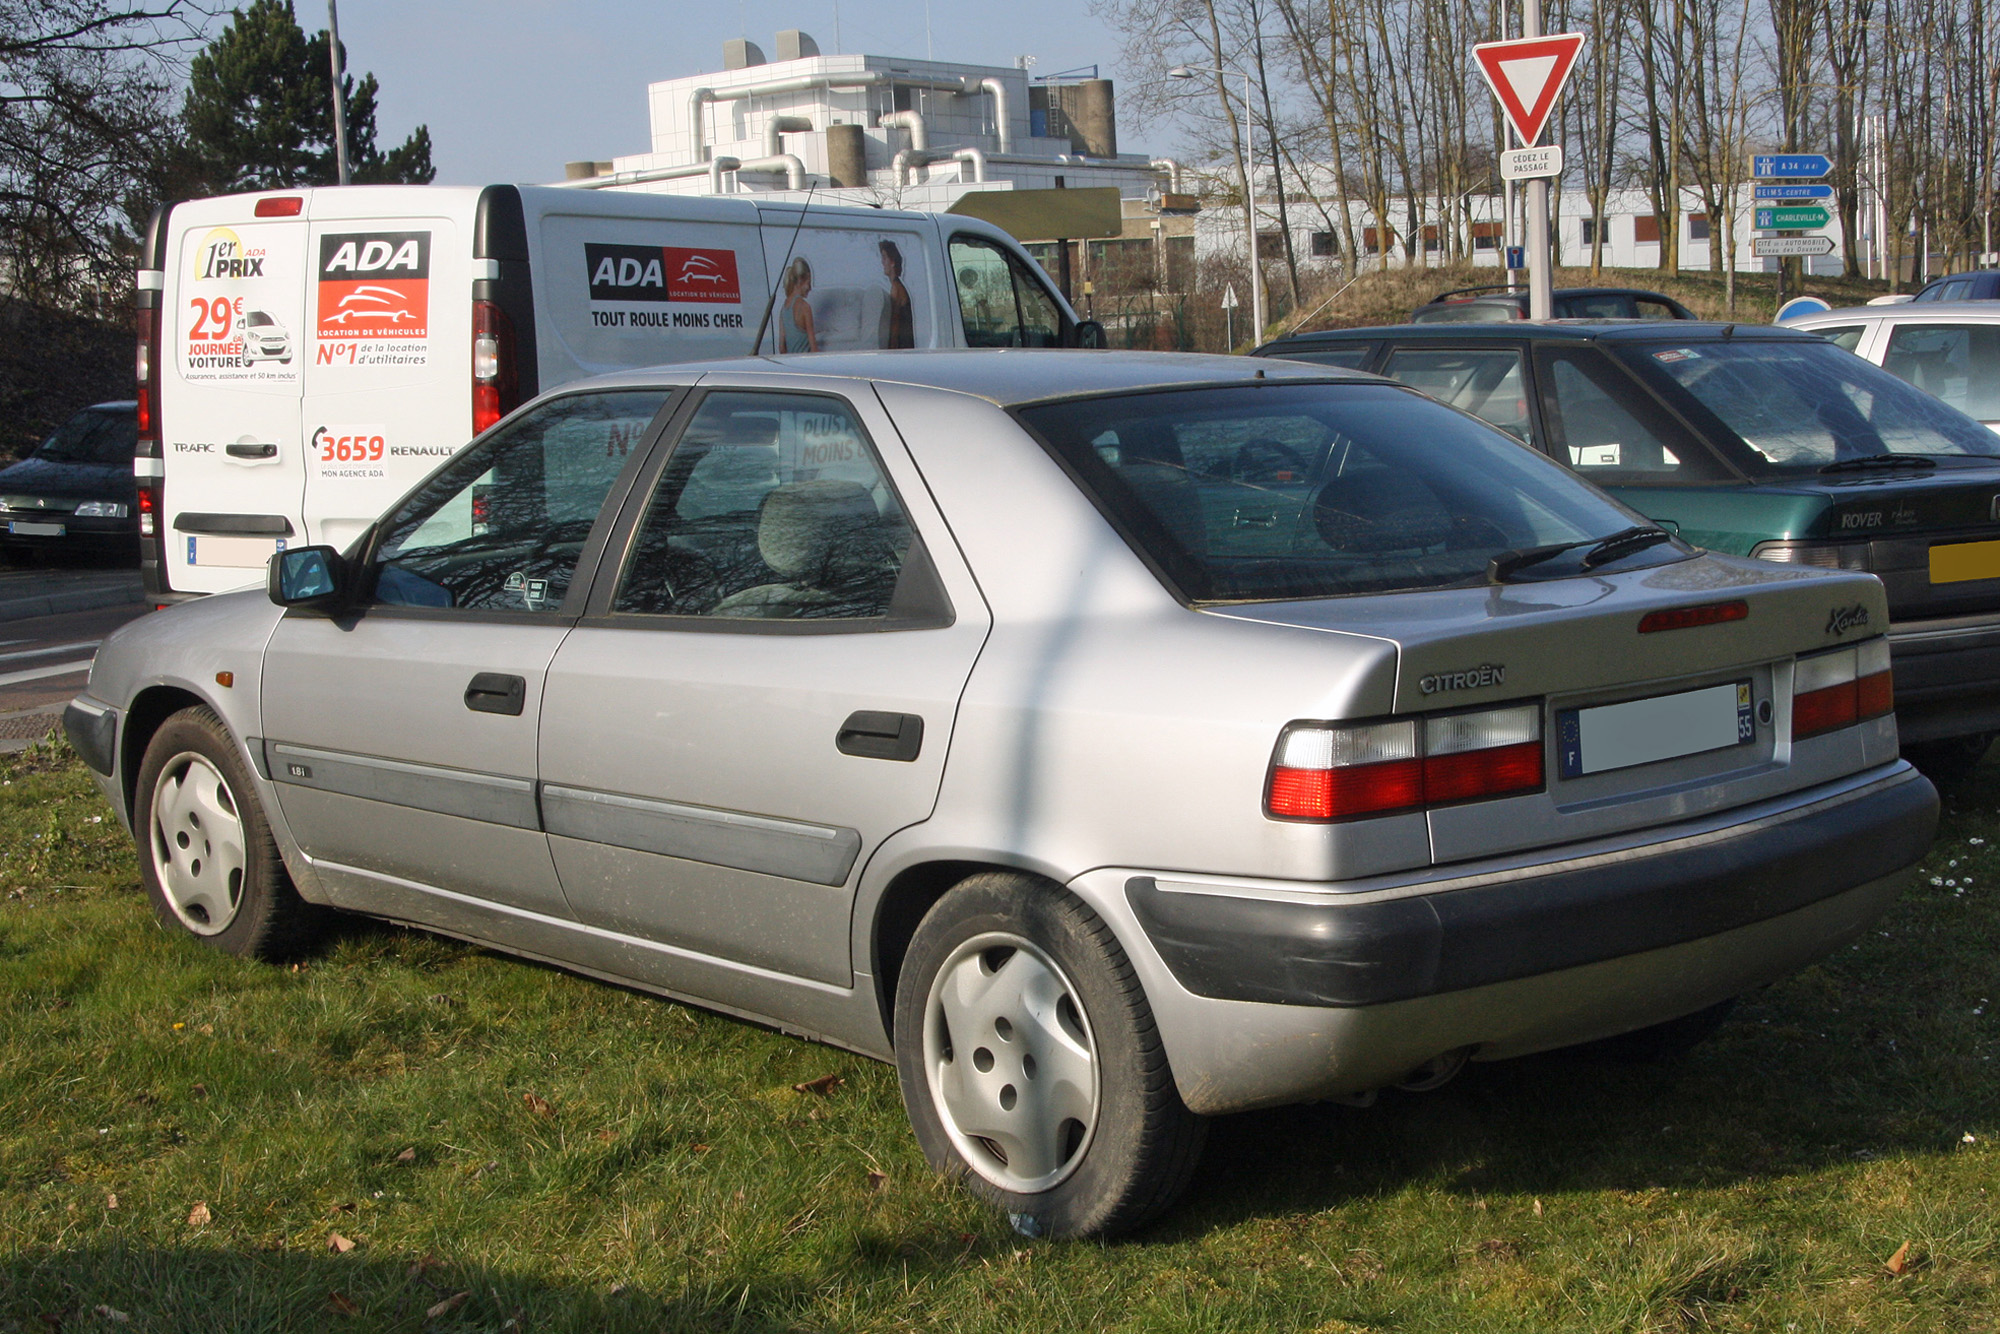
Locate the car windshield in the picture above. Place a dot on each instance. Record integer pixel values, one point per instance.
(1319, 490)
(1799, 404)
(93, 437)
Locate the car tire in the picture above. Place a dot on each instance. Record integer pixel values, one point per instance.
(1659, 1043)
(1951, 761)
(207, 858)
(1031, 1066)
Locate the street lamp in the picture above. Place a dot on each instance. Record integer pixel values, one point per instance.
(1243, 172)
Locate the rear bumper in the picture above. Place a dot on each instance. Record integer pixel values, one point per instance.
(1268, 993)
(1947, 677)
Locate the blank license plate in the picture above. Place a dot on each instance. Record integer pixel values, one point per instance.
(1961, 561)
(1644, 731)
(16, 528)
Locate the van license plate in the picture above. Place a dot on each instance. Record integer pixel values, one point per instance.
(1961, 561)
(1644, 731)
(16, 528)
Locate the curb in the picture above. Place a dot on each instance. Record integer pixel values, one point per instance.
(61, 603)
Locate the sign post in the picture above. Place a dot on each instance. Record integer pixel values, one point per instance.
(1229, 314)
(1527, 76)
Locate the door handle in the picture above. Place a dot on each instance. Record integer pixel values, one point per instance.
(881, 736)
(496, 692)
(243, 449)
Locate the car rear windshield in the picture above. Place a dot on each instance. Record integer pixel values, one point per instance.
(1284, 491)
(1799, 404)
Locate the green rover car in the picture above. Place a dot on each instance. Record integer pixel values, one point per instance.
(1756, 441)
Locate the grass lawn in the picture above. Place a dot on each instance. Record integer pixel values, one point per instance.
(404, 1133)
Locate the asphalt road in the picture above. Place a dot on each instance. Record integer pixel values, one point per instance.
(44, 662)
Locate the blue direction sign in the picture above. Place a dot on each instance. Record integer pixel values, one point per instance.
(1797, 166)
(1794, 192)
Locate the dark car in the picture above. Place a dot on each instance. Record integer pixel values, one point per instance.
(1980, 285)
(1496, 305)
(76, 492)
(1758, 441)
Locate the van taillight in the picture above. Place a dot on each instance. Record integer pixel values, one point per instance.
(1341, 771)
(149, 506)
(144, 364)
(495, 390)
(1839, 689)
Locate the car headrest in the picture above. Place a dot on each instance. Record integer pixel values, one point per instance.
(1379, 510)
(818, 532)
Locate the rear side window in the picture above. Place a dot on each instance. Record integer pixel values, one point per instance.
(1959, 363)
(1001, 303)
(1307, 491)
(502, 526)
(1486, 382)
(1650, 309)
(1609, 432)
(1846, 337)
(1352, 357)
(774, 507)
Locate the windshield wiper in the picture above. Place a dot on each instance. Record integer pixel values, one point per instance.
(1602, 549)
(1866, 461)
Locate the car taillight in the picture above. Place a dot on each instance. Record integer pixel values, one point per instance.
(1826, 555)
(149, 506)
(1341, 771)
(1839, 689)
(495, 391)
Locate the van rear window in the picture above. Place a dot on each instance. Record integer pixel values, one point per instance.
(1318, 490)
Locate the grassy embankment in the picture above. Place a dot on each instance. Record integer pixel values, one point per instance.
(405, 1133)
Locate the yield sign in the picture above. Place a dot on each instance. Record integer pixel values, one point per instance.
(1527, 75)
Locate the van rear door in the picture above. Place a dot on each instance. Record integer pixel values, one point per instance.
(389, 328)
(229, 401)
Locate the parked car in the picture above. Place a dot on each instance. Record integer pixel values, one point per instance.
(75, 493)
(1979, 285)
(1494, 304)
(1951, 351)
(1758, 441)
(1109, 741)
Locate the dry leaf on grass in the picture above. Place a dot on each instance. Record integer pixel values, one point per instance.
(343, 1304)
(877, 1180)
(539, 1105)
(447, 1306)
(1900, 1261)
(112, 1314)
(408, 1155)
(607, 1134)
(338, 1244)
(199, 1216)
(824, 1085)
(1538, 1208)
(111, 1199)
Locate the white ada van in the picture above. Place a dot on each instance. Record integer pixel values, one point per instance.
(306, 356)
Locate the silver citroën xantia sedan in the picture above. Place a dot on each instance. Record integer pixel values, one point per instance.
(1112, 741)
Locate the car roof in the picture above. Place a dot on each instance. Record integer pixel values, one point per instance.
(1004, 376)
(1496, 293)
(1972, 312)
(1545, 331)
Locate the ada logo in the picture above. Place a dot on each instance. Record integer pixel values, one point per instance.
(222, 256)
(661, 273)
(374, 285)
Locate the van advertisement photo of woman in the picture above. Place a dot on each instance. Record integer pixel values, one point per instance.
(849, 290)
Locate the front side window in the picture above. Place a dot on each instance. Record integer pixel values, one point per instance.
(502, 526)
(1319, 490)
(1001, 303)
(1959, 363)
(1803, 404)
(1486, 382)
(775, 507)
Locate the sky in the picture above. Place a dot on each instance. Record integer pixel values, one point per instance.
(512, 89)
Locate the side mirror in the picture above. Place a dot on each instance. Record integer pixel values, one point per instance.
(313, 577)
(1089, 333)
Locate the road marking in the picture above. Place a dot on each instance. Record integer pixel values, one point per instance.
(53, 648)
(37, 673)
